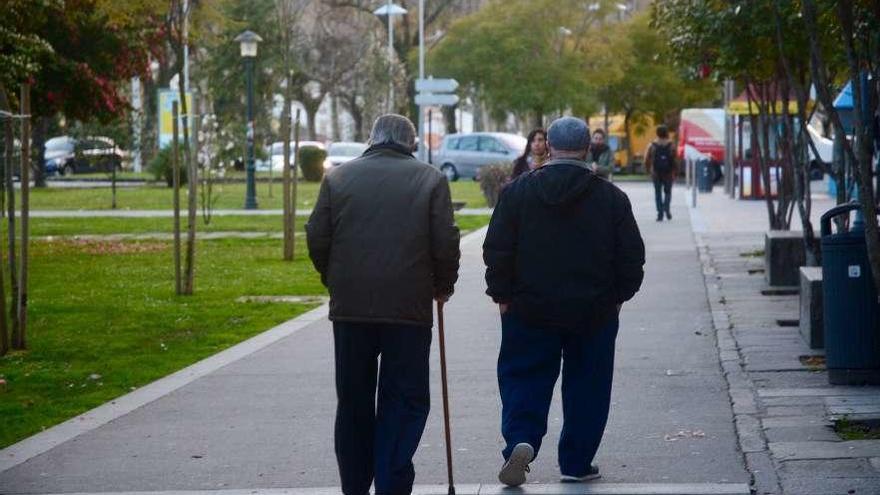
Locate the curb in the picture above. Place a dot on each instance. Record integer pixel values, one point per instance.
(742, 391)
(489, 489)
(48, 439)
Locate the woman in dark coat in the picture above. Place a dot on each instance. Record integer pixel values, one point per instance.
(534, 156)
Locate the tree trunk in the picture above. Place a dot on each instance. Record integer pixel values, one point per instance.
(10, 216)
(295, 182)
(19, 339)
(286, 180)
(863, 143)
(113, 186)
(449, 117)
(628, 148)
(191, 179)
(41, 128)
(311, 111)
(175, 184)
(761, 144)
(334, 113)
(9, 144)
(539, 117)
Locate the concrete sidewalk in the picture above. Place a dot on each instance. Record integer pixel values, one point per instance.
(783, 406)
(263, 419)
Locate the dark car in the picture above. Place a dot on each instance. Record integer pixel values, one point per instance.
(66, 155)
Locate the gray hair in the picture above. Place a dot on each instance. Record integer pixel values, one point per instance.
(392, 128)
(568, 134)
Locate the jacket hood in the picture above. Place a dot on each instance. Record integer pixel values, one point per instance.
(560, 182)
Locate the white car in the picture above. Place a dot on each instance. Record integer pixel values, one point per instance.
(343, 151)
(276, 155)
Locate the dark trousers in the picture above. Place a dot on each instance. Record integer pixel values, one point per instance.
(662, 193)
(376, 439)
(528, 367)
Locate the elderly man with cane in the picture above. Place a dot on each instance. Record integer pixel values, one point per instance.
(384, 239)
(563, 253)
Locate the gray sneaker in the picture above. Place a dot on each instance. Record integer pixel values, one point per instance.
(514, 471)
(592, 474)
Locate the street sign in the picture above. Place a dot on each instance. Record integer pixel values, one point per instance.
(436, 99)
(436, 85)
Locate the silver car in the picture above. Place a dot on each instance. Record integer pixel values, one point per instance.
(462, 155)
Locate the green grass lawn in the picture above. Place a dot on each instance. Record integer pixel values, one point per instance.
(109, 225)
(228, 196)
(109, 309)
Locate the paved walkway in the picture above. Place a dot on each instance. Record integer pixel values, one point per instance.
(260, 416)
(783, 406)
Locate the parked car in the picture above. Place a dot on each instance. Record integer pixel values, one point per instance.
(343, 151)
(67, 155)
(276, 155)
(462, 155)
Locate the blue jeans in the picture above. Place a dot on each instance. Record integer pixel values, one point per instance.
(662, 193)
(378, 438)
(528, 367)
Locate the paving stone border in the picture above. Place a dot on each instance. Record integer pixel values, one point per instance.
(784, 431)
(592, 488)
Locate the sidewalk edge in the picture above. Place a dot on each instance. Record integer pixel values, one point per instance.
(752, 442)
(40, 443)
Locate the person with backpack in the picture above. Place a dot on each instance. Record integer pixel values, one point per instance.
(660, 162)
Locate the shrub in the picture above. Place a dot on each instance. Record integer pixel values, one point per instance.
(311, 162)
(493, 177)
(160, 167)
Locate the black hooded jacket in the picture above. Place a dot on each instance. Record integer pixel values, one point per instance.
(563, 248)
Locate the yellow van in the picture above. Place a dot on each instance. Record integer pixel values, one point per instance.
(641, 134)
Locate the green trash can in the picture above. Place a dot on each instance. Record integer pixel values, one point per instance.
(852, 314)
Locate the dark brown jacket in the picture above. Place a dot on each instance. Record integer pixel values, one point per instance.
(384, 238)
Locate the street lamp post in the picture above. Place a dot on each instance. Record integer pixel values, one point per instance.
(390, 10)
(248, 41)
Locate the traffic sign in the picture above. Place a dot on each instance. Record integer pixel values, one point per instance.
(436, 85)
(436, 99)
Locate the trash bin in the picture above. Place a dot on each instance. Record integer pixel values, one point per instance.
(852, 314)
(705, 175)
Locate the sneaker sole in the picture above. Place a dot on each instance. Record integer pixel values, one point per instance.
(514, 471)
(574, 479)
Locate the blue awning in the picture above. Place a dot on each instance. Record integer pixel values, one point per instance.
(844, 100)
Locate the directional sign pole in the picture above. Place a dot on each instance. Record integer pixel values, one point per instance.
(431, 92)
(424, 141)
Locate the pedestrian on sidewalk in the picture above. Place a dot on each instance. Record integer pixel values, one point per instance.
(535, 154)
(563, 253)
(384, 239)
(600, 157)
(660, 161)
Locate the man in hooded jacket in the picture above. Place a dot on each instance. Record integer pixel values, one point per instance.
(563, 253)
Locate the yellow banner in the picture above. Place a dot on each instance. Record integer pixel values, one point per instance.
(739, 107)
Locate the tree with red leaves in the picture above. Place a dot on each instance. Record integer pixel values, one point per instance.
(78, 54)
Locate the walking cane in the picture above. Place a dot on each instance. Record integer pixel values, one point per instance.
(445, 396)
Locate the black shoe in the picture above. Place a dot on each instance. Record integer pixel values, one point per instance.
(668, 215)
(592, 474)
(659, 217)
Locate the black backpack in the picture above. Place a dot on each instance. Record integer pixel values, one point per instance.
(662, 160)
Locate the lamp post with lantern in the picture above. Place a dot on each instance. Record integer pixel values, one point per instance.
(248, 41)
